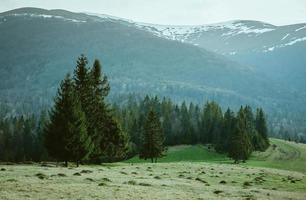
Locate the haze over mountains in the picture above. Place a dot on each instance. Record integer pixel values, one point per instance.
(234, 63)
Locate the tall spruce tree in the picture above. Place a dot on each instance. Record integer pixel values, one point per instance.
(153, 138)
(187, 130)
(262, 130)
(240, 146)
(228, 128)
(211, 123)
(92, 87)
(66, 137)
(111, 141)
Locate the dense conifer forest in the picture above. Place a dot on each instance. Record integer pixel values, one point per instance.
(83, 127)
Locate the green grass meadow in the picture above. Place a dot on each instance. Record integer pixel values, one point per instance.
(280, 155)
(186, 172)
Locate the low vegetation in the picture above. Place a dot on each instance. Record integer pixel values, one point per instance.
(186, 172)
(107, 182)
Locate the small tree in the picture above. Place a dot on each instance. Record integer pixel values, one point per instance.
(153, 138)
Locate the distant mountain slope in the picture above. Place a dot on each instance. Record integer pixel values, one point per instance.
(39, 46)
(276, 51)
(233, 37)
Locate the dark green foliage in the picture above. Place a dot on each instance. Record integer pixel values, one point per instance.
(92, 86)
(66, 137)
(228, 129)
(17, 139)
(153, 138)
(41, 152)
(240, 146)
(211, 123)
(187, 125)
(262, 130)
(81, 121)
(92, 130)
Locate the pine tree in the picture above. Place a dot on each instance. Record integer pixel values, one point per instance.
(41, 152)
(117, 141)
(262, 130)
(66, 134)
(78, 141)
(166, 110)
(228, 129)
(110, 140)
(153, 139)
(211, 123)
(240, 146)
(187, 129)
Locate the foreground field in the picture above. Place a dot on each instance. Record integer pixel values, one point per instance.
(150, 181)
(187, 172)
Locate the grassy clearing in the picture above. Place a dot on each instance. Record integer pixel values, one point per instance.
(186, 153)
(183, 180)
(281, 155)
(182, 174)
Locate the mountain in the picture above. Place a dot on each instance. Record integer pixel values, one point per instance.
(38, 47)
(275, 51)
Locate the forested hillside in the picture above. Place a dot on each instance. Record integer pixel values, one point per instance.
(135, 60)
(81, 126)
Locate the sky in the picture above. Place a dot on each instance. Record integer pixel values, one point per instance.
(179, 12)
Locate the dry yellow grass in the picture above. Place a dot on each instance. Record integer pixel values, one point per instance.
(150, 181)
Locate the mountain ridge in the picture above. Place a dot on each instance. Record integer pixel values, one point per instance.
(38, 49)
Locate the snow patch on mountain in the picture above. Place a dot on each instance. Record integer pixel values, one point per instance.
(46, 17)
(295, 41)
(241, 28)
(108, 17)
(285, 36)
(182, 33)
(300, 29)
(292, 42)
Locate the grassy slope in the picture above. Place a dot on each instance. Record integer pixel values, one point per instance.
(285, 155)
(186, 153)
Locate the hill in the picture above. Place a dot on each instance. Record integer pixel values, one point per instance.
(275, 51)
(38, 47)
(281, 155)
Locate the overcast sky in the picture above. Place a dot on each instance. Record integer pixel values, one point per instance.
(278, 12)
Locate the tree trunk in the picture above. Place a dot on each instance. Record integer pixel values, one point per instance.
(152, 160)
(155, 160)
(77, 163)
(66, 163)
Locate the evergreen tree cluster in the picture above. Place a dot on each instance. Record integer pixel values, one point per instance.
(21, 138)
(236, 134)
(81, 125)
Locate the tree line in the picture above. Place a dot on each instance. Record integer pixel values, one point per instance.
(235, 134)
(82, 127)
